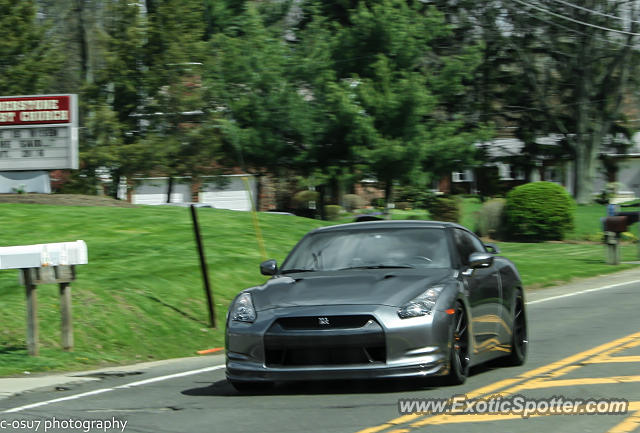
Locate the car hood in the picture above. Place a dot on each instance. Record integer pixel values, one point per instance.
(393, 287)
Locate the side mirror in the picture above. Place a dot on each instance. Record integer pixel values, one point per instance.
(492, 248)
(480, 260)
(269, 267)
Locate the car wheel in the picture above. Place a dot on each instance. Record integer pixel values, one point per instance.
(251, 387)
(459, 355)
(519, 338)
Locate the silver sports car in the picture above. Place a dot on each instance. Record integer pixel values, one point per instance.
(378, 299)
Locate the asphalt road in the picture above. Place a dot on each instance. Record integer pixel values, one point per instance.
(582, 345)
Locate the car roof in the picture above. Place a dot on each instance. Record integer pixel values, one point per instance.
(390, 224)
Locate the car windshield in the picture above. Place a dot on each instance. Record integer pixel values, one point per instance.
(369, 249)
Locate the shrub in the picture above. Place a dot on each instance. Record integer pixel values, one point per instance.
(378, 202)
(445, 209)
(416, 197)
(332, 211)
(302, 198)
(403, 205)
(353, 201)
(539, 211)
(491, 219)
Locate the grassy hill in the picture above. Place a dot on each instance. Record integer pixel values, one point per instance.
(141, 295)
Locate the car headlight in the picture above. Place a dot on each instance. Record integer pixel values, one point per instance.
(421, 305)
(243, 310)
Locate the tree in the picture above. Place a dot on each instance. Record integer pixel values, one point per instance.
(264, 117)
(409, 90)
(579, 72)
(27, 59)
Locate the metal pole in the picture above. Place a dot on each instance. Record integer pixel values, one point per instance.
(203, 267)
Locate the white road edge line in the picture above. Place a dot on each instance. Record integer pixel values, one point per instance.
(56, 400)
(595, 289)
(170, 376)
(218, 367)
(103, 390)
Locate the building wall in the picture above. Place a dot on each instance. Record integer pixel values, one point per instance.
(25, 181)
(231, 193)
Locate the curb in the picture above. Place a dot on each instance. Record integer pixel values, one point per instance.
(12, 386)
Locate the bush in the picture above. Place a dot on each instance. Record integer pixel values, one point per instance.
(445, 209)
(403, 205)
(416, 197)
(332, 211)
(302, 198)
(353, 201)
(378, 202)
(539, 211)
(490, 219)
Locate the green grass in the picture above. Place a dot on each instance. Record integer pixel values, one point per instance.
(546, 264)
(141, 296)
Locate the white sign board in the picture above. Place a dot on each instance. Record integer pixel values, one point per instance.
(38, 132)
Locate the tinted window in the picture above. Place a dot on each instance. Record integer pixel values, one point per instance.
(333, 250)
(466, 244)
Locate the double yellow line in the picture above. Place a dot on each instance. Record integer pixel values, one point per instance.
(531, 379)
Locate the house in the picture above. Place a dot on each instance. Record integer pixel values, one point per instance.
(502, 155)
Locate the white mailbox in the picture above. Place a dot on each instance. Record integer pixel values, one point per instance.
(43, 255)
(46, 264)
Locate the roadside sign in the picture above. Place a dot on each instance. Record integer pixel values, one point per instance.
(38, 132)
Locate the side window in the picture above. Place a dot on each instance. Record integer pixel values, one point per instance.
(467, 244)
(478, 246)
(463, 247)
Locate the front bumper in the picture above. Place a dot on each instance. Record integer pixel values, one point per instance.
(385, 347)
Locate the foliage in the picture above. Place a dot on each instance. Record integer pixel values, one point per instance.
(539, 211)
(334, 91)
(575, 78)
(445, 209)
(28, 58)
(302, 198)
(418, 197)
(352, 202)
(490, 219)
(332, 211)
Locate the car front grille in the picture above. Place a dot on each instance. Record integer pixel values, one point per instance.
(339, 340)
(333, 322)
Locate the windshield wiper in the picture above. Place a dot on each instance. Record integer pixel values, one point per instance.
(291, 271)
(379, 267)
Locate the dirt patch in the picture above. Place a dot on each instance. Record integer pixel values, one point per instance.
(64, 200)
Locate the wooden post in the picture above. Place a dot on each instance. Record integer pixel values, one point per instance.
(65, 311)
(613, 251)
(32, 314)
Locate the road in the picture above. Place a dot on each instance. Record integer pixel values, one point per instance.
(583, 344)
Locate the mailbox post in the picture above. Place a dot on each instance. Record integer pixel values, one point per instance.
(52, 263)
(613, 226)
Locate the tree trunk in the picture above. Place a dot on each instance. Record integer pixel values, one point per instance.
(321, 193)
(115, 184)
(388, 192)
(169, 189)
(583, 173)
